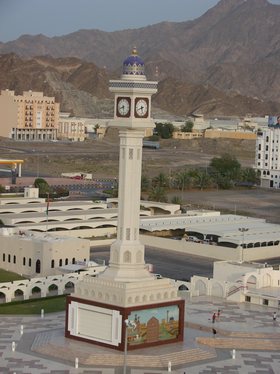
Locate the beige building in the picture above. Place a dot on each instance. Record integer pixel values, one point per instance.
(71, 128)
(30, 116)
(187, 135)
(230, 134)
(35, 254)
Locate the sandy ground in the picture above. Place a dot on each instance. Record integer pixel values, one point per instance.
(255, 202)
(101, 159)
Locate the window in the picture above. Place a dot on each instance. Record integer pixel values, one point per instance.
(15, 259)
(73, 260)
(66, 261)
(29, 262)
(24, 261)
(265, 302)
(60, 262)
(9, 258)
(4, 257)
(248, 299)
(52, 264)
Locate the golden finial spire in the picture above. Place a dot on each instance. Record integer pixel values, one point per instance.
(134, 51)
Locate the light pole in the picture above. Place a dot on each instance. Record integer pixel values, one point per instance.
(127, 323)
(243, 230)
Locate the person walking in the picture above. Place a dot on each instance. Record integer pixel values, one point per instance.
(214, 331)
(213, 317)
(218, 314)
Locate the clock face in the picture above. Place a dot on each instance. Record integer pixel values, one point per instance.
(123, 106)
(141, 107)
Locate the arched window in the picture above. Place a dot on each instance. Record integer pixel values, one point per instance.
(15, 259)
(127, 257)
(60, 262)
(9, 258)
(66, 261)
(4, 257)
(29, 262)
(73, 260)
(24, 261)
(52, 264)
(38, 266)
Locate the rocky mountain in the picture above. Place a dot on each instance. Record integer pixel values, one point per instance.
(82, 89)
(230, 53)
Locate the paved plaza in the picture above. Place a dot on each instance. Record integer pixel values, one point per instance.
(249, 329)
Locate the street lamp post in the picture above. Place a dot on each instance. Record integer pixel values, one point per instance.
(243, 230)
(127, 324)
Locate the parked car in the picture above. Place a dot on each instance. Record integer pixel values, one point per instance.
(193, 239)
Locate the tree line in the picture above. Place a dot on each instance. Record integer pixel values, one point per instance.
(223, 172)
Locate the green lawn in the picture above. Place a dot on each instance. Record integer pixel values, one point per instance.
(8, 276)
(49, 304)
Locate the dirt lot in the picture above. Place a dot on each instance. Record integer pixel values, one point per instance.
(101, 159)
(252, 202)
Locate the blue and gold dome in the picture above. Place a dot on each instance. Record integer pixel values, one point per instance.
(133, 65)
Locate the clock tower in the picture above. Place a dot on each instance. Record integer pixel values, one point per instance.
(132, 116)
(100, 307)
(133, 95)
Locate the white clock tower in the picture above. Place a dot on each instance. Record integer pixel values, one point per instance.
(97, 310)
(132, 116)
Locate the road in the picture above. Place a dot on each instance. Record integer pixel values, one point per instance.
(174, 265)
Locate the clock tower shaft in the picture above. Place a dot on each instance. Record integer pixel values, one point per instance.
(101, 305)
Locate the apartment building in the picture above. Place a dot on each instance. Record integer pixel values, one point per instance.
(30, 116)
(268, 156)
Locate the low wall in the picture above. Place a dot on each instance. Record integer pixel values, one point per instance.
(86, 233)
(260, 253)
(8, 290)
(212, 251)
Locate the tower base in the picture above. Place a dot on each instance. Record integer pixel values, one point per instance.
(155, 313)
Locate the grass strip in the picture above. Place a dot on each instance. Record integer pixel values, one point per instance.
(34, 306)
(9, 276)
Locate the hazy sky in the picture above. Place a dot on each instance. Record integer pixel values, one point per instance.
(60, 17)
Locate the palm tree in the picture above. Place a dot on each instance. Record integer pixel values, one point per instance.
(145, 183)
(201, 178)
(158, 193)
(176, 200)
(182, 180)
(161, 180)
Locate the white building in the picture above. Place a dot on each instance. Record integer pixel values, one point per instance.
(71, 128)
(240, 282)
(39, 254)
(268, 157)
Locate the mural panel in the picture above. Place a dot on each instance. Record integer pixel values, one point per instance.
(153, 325)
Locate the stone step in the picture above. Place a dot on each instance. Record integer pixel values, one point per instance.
(133, 360)
(256, 335)
(244, 343)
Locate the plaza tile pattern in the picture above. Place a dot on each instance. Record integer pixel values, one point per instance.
(238, 323)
